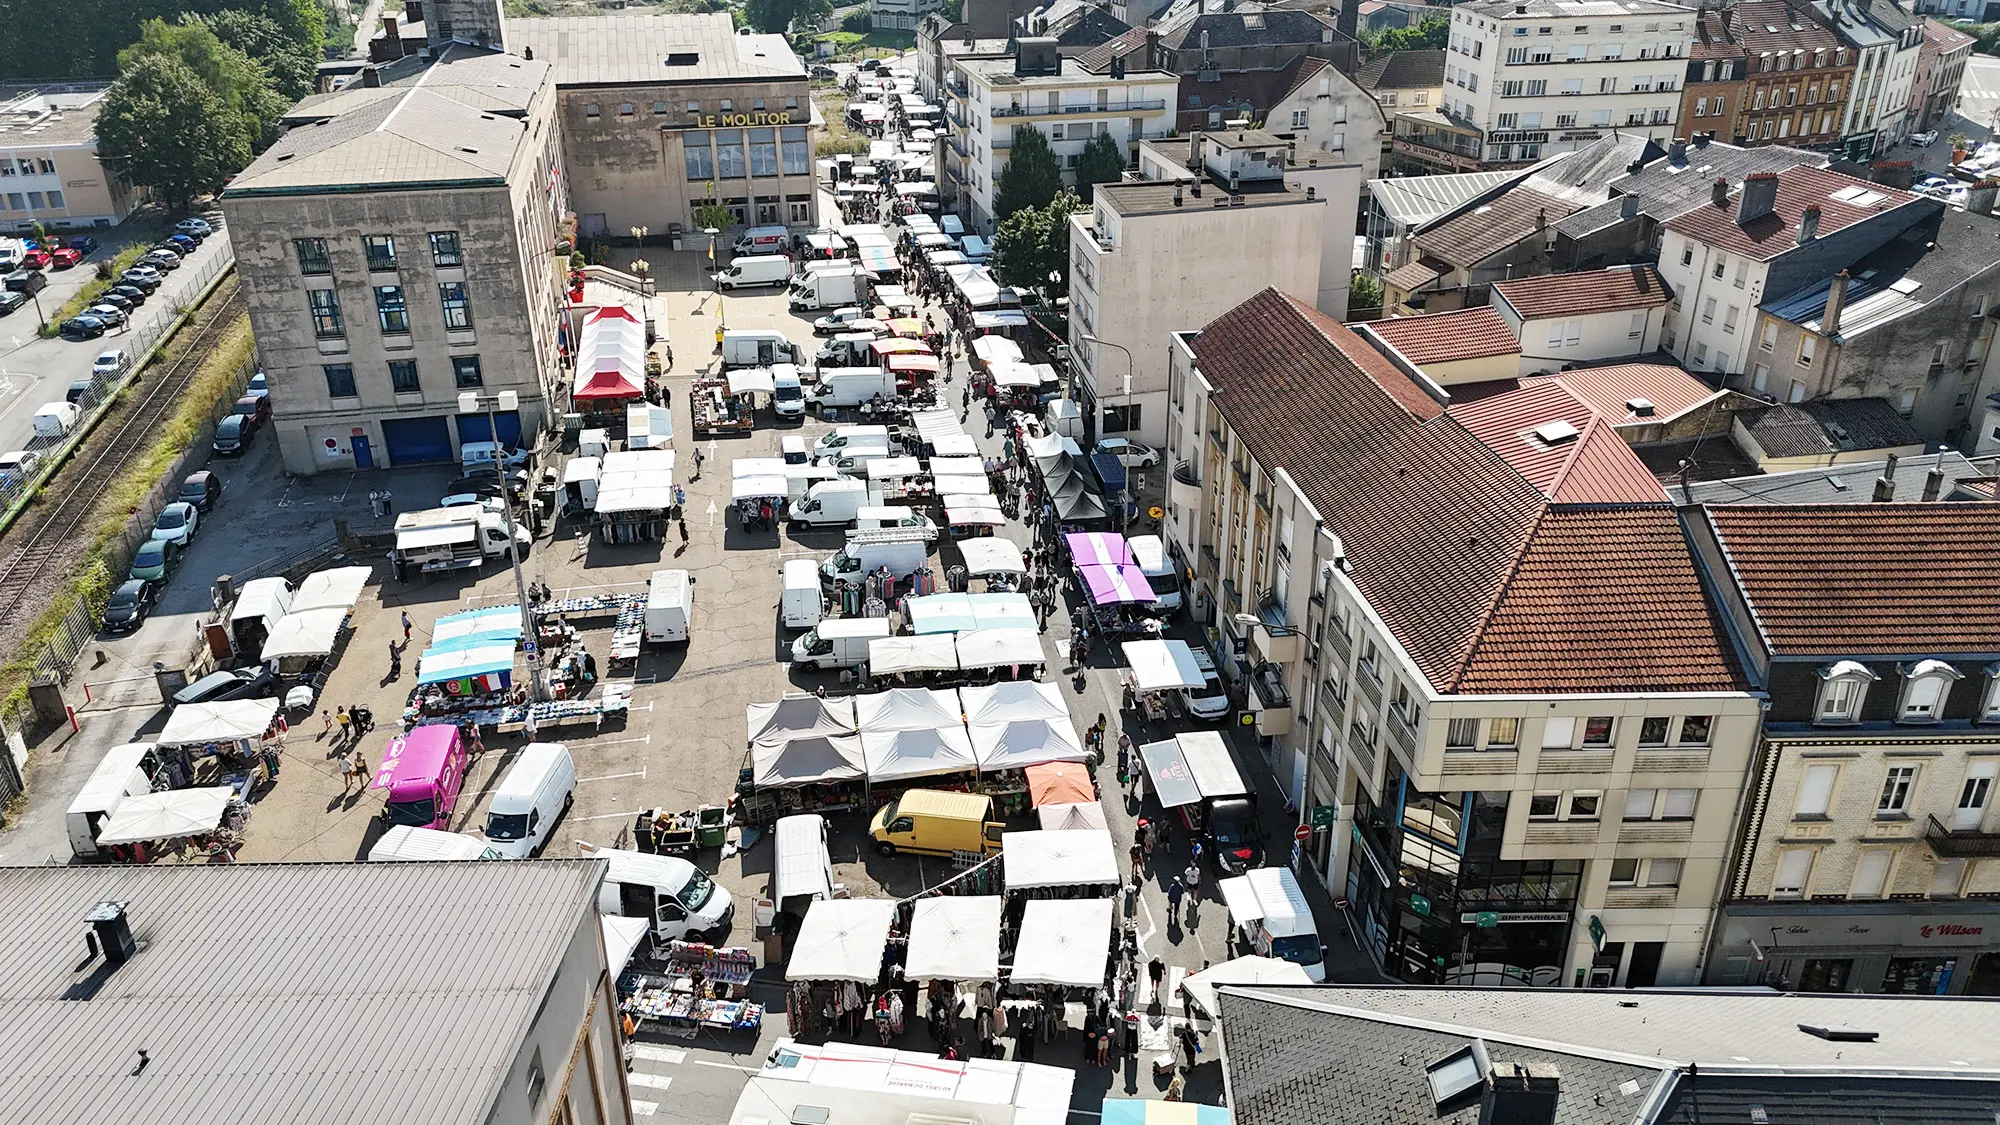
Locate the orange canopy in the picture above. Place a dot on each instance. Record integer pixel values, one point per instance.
(1061, 783)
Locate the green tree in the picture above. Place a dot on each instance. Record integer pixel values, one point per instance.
(1364, 297)
(163, 128)
(776, 17)
(75, 38)
(1031, 178)
(1430, 35)
(253, 103)
(292, 68)
(1033, 243)
(1102, 162)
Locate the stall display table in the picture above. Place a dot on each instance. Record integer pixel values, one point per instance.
(670, 995)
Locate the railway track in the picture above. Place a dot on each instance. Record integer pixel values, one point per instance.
(41, 541)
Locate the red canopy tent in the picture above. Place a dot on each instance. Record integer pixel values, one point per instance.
(611, 359)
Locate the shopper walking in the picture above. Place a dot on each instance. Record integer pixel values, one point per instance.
(346, 724)
(346, 774)
(326, 726)
(406, 624)
(1175, 891)
(361, 773)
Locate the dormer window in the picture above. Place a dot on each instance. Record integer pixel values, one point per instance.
(1925, 685)
(1989, 709)
(1843, 685)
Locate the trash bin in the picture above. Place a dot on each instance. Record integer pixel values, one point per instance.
(711, 826)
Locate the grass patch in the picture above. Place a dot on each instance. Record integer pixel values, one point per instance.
(867, 45)
(837, 137)
(94, 288)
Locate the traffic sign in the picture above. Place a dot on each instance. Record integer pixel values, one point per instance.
(1302, 833)
(530, 648)
(1323, 815)
(1597, 933)
(1420, 904)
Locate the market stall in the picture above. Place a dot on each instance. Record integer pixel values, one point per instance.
(694, 987)
(231, 729)
(956, 938)
(610, 362)
(955, 613)
(1060, 783)
(1157, 669)
(1081, 860)
(990, 350)
(995, 559)
(842, 940)
(303, 635)
(338, 588)
(1013, 700)
(622, 937)
(902, 656)
(1019, 743)
(958, 444)
(172, 815)
(805, 744)
(1135, 1111)
(1200, 987)
(1066, 943)
(635, 492)
(1071, 817)
(1012, 649)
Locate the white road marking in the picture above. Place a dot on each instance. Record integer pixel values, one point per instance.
(721, 1066)
(669, 1055)
(611, 776)
(619, 741)
(656, 1081)
(644, 1109)
(609, 816)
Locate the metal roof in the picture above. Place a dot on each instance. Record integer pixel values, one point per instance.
(630, 49)
(1411, 200)
(377, 992)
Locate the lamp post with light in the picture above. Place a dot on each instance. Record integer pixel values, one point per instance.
(472, 402)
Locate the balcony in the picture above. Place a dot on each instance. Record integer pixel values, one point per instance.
(1560, 832)
(955, 82)
(955, 144)
(1361, 751)
(1403, 733)
(1341, 642)
(1184, 485)
(1107, 108)
(1271, 701)
(955, 112)
(1641, 898)
(1280, 643)
(1956, 845)
(1575, 761)
(1495, 763)
(1370, 682)
(1677, 759)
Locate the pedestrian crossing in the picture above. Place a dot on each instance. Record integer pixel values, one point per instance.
(645, 1074)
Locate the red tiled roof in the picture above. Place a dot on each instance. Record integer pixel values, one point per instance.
(1489, 228)
(1098, 59)
(1593, 291)
(1671, 390)
(1842, 579)
(1593, 467)
(1441, 533)
(1444, 337)
(1771, 235)
(1410, 276)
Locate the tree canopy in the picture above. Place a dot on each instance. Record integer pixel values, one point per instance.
(1031, 178)
(254, 104)
(291, 66)
(82, 38)
(777, 17)
(1033, 242)
(1430, 35)
(164, 128)
(1102, 162)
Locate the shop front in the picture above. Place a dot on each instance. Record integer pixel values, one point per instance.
(1917, 948)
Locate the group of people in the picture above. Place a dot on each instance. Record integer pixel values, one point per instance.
(353, 724)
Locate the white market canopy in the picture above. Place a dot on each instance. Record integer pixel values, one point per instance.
(957, 467)
(992, 555)
(933, 653)
(1080, 858)
(1011, 373)
(954, 937)
(893, 468)
(1019, 743)
(756, 488)
(338, 588)
(750, 380)
(1015, 699)
(621, 938)
(1071, 817)
(973, 511)
(907, 709)
(1200, 987)
(999, 648)
(955, 613)
(996, 349)
(954, 445)
(961, 485)
(1163, 665)
(171, 815)
(802, 739)
(194, 724)
(1064, 941)
(842, 939)
(305, 632)
(891, 755)
(639, 480)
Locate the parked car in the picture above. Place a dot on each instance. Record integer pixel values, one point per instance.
(185, 243)
(1924, 139)
(252, 683)
(10, 255)
(18, 465)
(82, 327)
(823, 71)
(117, 301)
(193, 227)
(11, 300)
(146, 281)
(177, 523)
(838, 320)
(77, 389)
(202, 489)
(64, 258)
(130, 603)
(145, 271)
(257, 408)
(214, 686)
(83, 244)
(259, 386)
(233, 434)
(1130, 454)
(111, 315)
(157, 560)
(35, 259)
(165, 261)
(26, 281)
(131, 293)
(113, 362)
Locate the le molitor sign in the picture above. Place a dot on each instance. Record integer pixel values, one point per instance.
(739, 120)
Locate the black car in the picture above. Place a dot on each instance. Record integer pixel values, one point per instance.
(83, 244)
(78, 388)
(202, 489)
(257, 683)
(130, 603)
(85, 327)
(233, 434)
(139, 281)
(27, 281)
(117, 301)
(131, 293)
(10, 300)
(178, 249)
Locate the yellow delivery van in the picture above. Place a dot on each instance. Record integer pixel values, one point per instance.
(932, 822)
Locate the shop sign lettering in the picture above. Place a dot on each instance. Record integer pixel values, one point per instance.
(1952, 929)
(738, 120)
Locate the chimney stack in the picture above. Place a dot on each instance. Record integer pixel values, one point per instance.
(371, 78)
(1836, 299)
(1720, 193)
(1885, 485)
(1759, 197)
(1809, 223)
(1677, 151)
(1520, 1094)
(393, 36)
(111, 933)
(1980, 197)
(1177, 195)
(1628, 207)
(1934, 481)
(1701, 139)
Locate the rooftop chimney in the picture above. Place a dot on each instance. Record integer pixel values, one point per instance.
(1635, 167)
(1177, 195)
(1720, 193)
(1759, 197)
(1701, 139)
(1836, 298)
(392, 36)
(1809, 223)
(371, 77)
(1628, 206)
(1885, 485)
(1934, 481)
(1980, 197)
(1677, 151)
(111, 933)
(1520, 1094)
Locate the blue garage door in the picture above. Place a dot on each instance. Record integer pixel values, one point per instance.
(472, 427)
(412, 441)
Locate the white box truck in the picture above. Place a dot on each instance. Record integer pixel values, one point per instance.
(840, 643)
(800, 604)
(455, 538)
(1272, 918)
(852, 386)
(669, 606)
(757, 269)
(126, 771)
(830, 502)
(828, 287)
(757, 347)
(761, 240)
(901, 550)
(678, 900)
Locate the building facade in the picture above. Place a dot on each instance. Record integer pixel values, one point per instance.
(404, 252)
(1940, 73)
(1870, 856)
(49, 171)
(1887, 40)
(661, 114)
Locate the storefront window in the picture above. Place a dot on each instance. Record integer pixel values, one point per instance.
(763, 152)
(1919, 976)
(797, 153)
(729, 154)
(700, 158)
(1825, 974)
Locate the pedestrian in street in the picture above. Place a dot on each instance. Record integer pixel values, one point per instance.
(326, 725)
(1192, 877)
(1156, 971)
(346, 774)
(990, 419)
(698, 459)
(395, 661)
(406, 624)
(361, 773)
(1175, 890)
(346, 724)
(684, 531)
(1143, 833)
(1138, 856)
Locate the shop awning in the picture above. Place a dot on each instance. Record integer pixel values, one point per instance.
(338, 588)
(1064, 941)
(500, 622)
(1173, 781)
(992, 555)
(439, 665)
(954, 937)
(172, 815)
(933, 653)
(891, 755)
(842, 939)
(305, 632)
(999, 648)
(1071, 817)
(1060, 783)
(621, 939)
(1057, 859)
(996, 349)
(1200, 987)
(1133, 1111)
(1163, 665)
(195, 724)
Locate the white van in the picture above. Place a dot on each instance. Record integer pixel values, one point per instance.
(876, 517)
(757, 347)
(677, 899)
(1272, 918)
(1210, 701)
(54, 419)
(801, 867)
(669, 606)
(841, 643)
(832, 444)
(788, 394)
(759, 269)
(534, 794)
(829, 503)
(792, 447)
(801, 605)
(761, 240)
(126, 771)
(1150, 552)
(853, 461)
(407, 842)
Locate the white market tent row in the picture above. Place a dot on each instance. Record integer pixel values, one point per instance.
(305, 632)
(196, 724)
(1162, 665)
(992, 555)
(1020, 743)
(964, 466)
(1011, 373)
(999, 648)
(1072, 817)
(1012, 700)
(893, 755)
(908, 709)
(1020, 1093)
(755, 478)
(1200, 987)
(1082, 858)
(621, 938)
(493, 623)
(802, 739)
(955, 938)
(842, 939)
(893, 468)
(638, 480)
(338, 588)
(752, 380)
(961, 510)
(954, 445)
(937, 652)
(996, 349)
(1063, 941)
(172, 815)
(957, 613)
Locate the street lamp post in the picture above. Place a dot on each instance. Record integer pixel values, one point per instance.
(716, 279)
(472, 402)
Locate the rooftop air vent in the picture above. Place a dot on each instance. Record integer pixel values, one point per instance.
(1556, 433)
(1840, 1032)
(1640, 407)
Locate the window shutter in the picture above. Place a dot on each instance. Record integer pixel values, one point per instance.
(1871, 875)
(1816, 790)
(1639, 804)
(1679, 804)
(1793, 868)
(1557, 733)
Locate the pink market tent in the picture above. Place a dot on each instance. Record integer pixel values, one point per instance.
(1109, 572)
(1098, 548)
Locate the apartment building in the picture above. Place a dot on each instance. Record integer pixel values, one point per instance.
(1071, 100)
(1870, 852)
(1507, 791)
(1307, 103)
(49, 171)
(1404, 80)
(1773, 233)
(1911, 323)
(397, 246)
(1940, 72)
(1566, 319)
(1768, 72)
(1887, 41)
(1524, 80)
(899, 15)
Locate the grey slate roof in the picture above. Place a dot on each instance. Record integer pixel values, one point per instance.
(1925, 263)
(1828, 425)
(1402, 70)
(1838, 484)
(385, 993)
(1668, 187)
(632, 49)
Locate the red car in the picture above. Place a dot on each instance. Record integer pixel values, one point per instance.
(64, 258)
(35, 259)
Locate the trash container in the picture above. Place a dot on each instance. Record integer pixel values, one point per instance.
(711, 826)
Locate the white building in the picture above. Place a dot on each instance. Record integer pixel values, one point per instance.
(1888, 41)
(1546, 76)
(1594, 316)
(899, 15)
(1038, 87)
